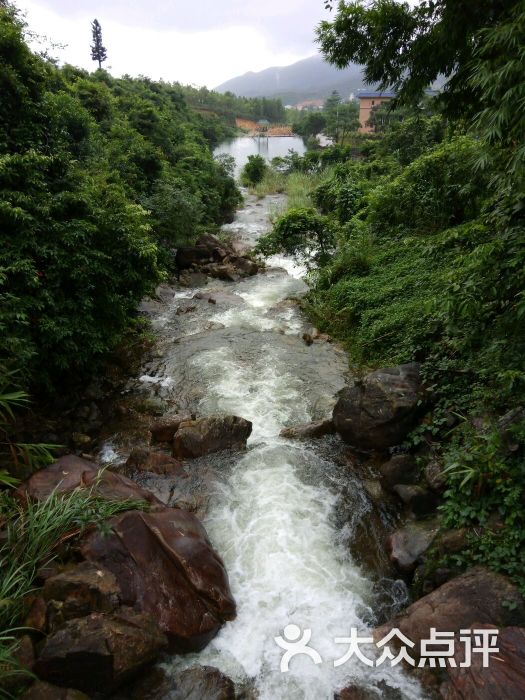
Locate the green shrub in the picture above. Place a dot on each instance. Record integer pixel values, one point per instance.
(254, 170)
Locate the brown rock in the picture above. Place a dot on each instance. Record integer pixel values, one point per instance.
(379, 411)
(212, 434)
(309, 430)
(478, 596)
(420, 501)
(503, 678)
(146, 460)
(203, 683)
(100, 651)
(244, 265)
(407, 545)
(164, 429)
(381, 690)
(165, 566)
(36, 618)
(226, 272)
(435, 476)
(400, 469)
(40, 690)
(70, 472)
(222, 297)
(80, 590)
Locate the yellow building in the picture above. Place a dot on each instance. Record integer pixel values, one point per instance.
(367, 101)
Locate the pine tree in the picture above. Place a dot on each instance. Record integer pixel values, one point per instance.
(98, 51)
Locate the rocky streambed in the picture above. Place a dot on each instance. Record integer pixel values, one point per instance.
(253, 523)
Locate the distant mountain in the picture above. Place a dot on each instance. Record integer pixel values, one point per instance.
(309, 79)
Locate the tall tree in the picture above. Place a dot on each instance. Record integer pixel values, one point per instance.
(98, 50)
(407, 47)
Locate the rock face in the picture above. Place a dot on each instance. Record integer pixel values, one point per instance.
(504, 677)
(146, 460)
(196, 683)
(80, 590)
(100, 651)
(379, 411)
(478, 596)
(420, 501)
(164, 429)
(213, 434)
(165, 566)
(408, 544)
(309, 430)
(400, 469)
(70, 472)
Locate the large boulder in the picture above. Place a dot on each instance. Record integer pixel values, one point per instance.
(307, 431)
(213, 434)
(70, 472)
(165, 566)
(503, 678)
(419, 500)
(379, 411)
(100, 651)
(478, 596)
(207, 248)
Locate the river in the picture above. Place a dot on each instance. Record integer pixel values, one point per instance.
(276, 513)
(243, 146)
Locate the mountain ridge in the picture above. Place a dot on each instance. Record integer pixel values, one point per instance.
(308, 79)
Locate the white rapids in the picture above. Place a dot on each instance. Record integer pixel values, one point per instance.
(272, 519)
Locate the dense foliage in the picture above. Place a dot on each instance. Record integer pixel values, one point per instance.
(100, 179)
(430, 245)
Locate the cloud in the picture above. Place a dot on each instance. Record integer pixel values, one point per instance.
(206, 46)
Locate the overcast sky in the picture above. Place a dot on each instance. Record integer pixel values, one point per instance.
(191, 41)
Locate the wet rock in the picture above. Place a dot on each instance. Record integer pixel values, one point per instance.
(435, 476)
(400, 469)
(379, 411)
(420, 501)
(100, 651)
(40, 690)
(478, 596)
(204, 683)
(81, 439)
(78, 591)
(207, 248)
(165, 566)
(212, 434)
(407, 545)
(381, 690)
(70, 472)
(185, 308)
(452, 541)
(220, 297)
(147, 460)
(244, 265)
(503, 678)
(36, 618)
(309, 430)
(308, 338)
(164, 429)
(226, 272)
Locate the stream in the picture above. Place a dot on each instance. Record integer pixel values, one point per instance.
(281, 514)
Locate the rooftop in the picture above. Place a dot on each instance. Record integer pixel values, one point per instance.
(367, 93)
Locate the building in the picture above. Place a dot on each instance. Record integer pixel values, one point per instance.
(367, 101)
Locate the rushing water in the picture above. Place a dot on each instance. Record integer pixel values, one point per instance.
(242, 147)
(274, 509)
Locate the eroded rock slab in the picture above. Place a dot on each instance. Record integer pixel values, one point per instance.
(307, 431)
(165, 566)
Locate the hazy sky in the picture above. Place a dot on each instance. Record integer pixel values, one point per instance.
(202, 41)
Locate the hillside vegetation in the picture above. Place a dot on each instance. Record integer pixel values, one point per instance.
(417, 252)
(100, 179)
